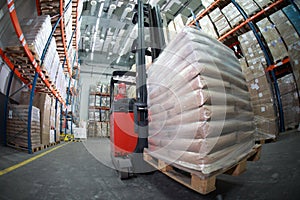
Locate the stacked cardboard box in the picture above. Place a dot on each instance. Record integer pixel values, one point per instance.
(273, 39)
(291, 39)
(220, 21)
(261, 93)
(201, 116)
(290, 101)
(232, 14)
(17, 126)
(102, 129)
(249, 6)
(92, 129)
(208, 27)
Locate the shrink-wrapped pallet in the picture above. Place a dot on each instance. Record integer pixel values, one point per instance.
(285, 28)
(263, 3)
(249, 6)
(207, 3)
(293, 15)
(199, 106)
(273, 39)
(36, 32)
(208, 27)
(43, 102)
(220, 21)
(180, 22)
(290, 100)
(250, 48)
(232, 14)
(291, 39)
(17, 134)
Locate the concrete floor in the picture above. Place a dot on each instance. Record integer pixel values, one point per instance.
(74, 171)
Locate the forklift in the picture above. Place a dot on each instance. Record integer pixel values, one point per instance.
(129, 116)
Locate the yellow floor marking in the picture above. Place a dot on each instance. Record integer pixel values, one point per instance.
(9, 169)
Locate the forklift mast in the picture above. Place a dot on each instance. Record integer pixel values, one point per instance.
(152, 15)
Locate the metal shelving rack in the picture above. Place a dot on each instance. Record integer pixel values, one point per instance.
(99, 108)
(38, 73)
(250, 21)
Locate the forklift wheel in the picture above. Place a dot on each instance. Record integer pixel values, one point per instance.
(123, 175)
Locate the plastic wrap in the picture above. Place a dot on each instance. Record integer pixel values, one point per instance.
(273, 39)
(199, 104)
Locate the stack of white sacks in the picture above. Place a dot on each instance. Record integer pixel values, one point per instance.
(37, 31)
(199, 107)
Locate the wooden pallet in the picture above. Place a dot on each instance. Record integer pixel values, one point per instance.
(265, 140)
(197, 181)
(24, 148)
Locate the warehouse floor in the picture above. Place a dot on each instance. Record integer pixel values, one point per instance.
(73, 171)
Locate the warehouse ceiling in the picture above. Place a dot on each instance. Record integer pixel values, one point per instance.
(107, 31)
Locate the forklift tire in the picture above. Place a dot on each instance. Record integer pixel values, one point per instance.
(123, 175)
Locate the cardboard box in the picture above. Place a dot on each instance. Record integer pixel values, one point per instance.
(286, 84)
(250, 47)
(285, 28)
(80, 133)
(294, 55)
(254, 70)
(43, 102)
(267, 126)
(257, 85)
(273, 39)
(266, 110)
(17, 133)
(291, 109)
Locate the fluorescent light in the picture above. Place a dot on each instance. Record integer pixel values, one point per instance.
(118, 60)
(100, 9)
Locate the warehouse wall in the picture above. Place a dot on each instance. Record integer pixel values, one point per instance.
(86, 80)
(91, 75)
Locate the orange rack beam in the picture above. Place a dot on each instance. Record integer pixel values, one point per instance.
(283, 62)
(77, 29)
(250, 19)
(17, 27)
(61, 10)
(12, 67)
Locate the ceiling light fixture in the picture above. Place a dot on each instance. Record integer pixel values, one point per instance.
(93, 2)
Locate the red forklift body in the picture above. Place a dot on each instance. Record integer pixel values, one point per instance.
(123, 138)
